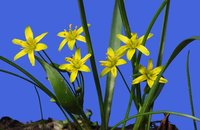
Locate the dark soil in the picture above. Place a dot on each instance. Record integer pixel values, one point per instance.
(7, 123)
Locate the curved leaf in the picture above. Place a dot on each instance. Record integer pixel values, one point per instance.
(153, 113)
(64, 96)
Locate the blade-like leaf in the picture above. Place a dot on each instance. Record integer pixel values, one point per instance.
(190, 89)
(153, 113)
(65, 97)
(115, 44)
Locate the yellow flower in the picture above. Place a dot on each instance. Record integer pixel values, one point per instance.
(30, 45)
(71, 36)
(149, 74)
(134, 43)
(113, 60)
(75, 64)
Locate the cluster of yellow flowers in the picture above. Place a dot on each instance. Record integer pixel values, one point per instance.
(76, 63)
(130, 47)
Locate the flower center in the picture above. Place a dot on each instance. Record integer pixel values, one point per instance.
(76, 64)
(31, 45)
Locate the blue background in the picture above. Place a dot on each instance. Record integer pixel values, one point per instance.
(18, 98)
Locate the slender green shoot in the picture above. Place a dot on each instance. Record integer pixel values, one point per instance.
(126, 84)
(128, 108)
(92, 60)
(124, 18)
(190, 88)
(158, 12)
(163, 35)
(114, 43)
(40, 103)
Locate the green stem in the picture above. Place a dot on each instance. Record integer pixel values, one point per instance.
(163, 36)
(190, 89)
(124, 18)
(92, 60)
(40, 103)
(128, 108)
(124, 80)
(150, 26)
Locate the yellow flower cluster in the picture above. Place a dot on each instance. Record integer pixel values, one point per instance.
(32, 44)
(131, 45)
(76, 63)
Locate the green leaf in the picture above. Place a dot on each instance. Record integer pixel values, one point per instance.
(65, 97)
(190, 89)
(153, 113)
(116, 28)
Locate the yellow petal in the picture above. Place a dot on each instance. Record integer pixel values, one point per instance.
(40, 46)
(120, 51)
(69, 59)
(123, 38)
(120, 62)
(163, 80)
(71, 44)
(62, 44)
(150, 65)
(114, 71)
(20, 42)
(84, 68)
(62, 34)
(142, 69)
(77, 55)
(157, 70)
(130, 53)
(28, 33)
(31, 58)
(65, 67)
(134, 36)
(142, 37)
(84, 59)
(20, 54)
(106, 63)
(80, 30)
(143, 49)
(110, 52)
(105, 71)
(81, 38)
(73, 76)
(38, 38)
(139, 79)
(150, 83)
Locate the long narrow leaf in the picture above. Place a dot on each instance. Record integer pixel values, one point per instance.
(92, 61)
(114, 43)
(163, 36)
(190, 89)
(156, 112)
(39, 84)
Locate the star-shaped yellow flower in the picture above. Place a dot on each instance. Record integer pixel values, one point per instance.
(30, 45)
(71, 36)
(134, 43)
(75, 64)
(149, 74)
(113, 60)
